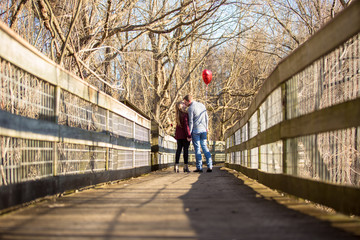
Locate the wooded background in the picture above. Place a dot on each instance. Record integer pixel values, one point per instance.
(152, 52)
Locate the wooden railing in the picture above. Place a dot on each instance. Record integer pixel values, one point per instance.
(301, 134)
(57, 132)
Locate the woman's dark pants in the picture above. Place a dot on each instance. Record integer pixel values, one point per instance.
(182, 144)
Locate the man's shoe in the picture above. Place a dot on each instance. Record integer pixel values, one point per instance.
(209, 170)
(198, 170)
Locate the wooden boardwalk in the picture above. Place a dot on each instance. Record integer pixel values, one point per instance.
(168, 205)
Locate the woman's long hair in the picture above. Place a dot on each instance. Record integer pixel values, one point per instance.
(178, 112)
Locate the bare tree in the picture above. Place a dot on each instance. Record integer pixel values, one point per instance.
(152, 52)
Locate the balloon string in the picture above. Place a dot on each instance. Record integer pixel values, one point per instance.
(206, 93)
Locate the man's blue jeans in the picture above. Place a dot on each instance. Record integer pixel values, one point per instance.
(200, 139)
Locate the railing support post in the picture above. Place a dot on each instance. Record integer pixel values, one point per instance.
(258, 131)
(56, 120)
(57, 104)
(55, 158)
(284, 117)
(107, 153)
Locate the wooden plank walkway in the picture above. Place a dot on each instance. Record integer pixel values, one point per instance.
(168, 205)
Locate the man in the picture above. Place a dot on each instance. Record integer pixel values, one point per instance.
(198, 125)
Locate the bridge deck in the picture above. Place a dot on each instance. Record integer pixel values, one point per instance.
(166, 205)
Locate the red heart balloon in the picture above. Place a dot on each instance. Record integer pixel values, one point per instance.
(207, 76)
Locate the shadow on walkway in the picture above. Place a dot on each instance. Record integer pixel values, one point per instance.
(221, 206)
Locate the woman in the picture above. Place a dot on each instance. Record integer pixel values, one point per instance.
(182, 135)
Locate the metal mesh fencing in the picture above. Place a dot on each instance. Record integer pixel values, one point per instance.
(245, 133)
(23, 160)
(333, 79)
(24, 94)
(271, 110)
(271, 159)
(237, 158)
(253, 125)
(120, 159)
(142, 133)
(120, 125)
(76, 112)
(331, 156)
(142, 158)
(254, 158)
(77, 158)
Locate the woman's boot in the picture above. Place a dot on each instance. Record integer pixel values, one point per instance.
(186, 168)
(176, 167)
